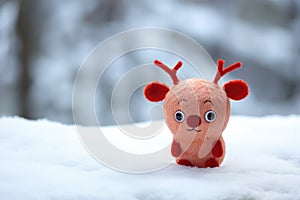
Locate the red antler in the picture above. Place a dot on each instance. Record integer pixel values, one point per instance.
(171, 72)
(221, 71)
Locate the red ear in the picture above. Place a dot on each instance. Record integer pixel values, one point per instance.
(236, 90)
(156, 91)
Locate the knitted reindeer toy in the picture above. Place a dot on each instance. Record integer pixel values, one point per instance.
(197, 112)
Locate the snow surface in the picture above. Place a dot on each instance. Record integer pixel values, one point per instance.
(45, 160)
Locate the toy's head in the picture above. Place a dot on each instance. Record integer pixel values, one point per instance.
(196, 109)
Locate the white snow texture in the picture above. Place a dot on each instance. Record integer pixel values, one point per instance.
(45, 160)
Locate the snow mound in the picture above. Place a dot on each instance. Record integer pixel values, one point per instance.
(45, 160)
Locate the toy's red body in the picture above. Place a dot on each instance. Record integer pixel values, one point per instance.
(197, 111)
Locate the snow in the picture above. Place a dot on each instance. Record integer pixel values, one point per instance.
(45, 160)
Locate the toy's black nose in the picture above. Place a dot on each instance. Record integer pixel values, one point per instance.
(194, 121)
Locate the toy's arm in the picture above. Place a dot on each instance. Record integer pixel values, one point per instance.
(175, 149)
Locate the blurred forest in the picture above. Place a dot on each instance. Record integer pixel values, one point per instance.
(43, 43)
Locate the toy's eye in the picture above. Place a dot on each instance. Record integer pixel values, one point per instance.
(179, 116)
(210, 116)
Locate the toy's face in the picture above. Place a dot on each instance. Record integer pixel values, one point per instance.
(196, 110)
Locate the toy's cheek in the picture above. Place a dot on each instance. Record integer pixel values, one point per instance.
(205, 126)
(168, 109)
(171, 123)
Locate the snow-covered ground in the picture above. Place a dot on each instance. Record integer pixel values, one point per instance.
(45, 160)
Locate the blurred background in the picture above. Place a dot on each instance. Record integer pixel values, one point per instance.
(43, 43)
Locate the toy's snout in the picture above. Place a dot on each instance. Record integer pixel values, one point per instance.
(193, 121)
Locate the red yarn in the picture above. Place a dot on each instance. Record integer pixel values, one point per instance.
(156, 91)
(175, 149)
(212, 162)
(217, 151)
(236, 89)
(221, 71)
(184, 162)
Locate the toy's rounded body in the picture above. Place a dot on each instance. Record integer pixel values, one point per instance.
(197, 141)
(197, 112)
